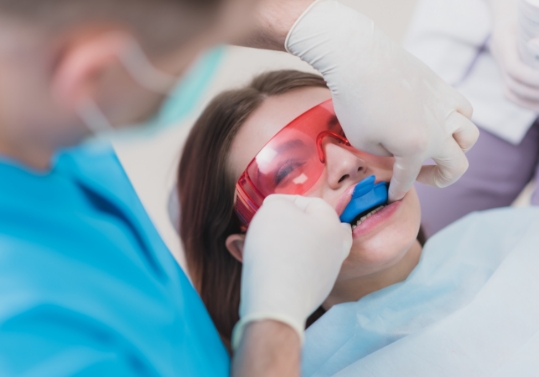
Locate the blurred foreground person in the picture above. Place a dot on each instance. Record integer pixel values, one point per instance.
(474, 45)
(89, 288)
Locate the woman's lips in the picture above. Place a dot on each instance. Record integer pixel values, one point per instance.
(377, 219)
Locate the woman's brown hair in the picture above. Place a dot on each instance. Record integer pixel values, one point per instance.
(206, 192)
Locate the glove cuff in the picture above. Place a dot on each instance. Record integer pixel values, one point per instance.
(338, 42)
(239, 329)
(303, 15)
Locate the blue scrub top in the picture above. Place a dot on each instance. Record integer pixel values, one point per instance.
(87, 286)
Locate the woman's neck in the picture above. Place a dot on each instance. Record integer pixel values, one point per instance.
(351, 290)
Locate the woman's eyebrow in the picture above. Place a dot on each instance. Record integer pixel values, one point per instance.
(290, 144)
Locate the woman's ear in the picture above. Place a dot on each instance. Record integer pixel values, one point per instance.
(234, 244)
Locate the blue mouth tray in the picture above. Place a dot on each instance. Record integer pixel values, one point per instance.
(366, 195)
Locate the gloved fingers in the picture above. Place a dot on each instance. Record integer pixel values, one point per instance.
(318, 207)
(405, 171)
(520, 72)
(464, 131)
(308, 205)
(285, 205)
(348, 240)
(451, 164)
(376, 149)
(525, 103)
(347, 228)
(464, 106)
(522, 91)
(299, 201)
(505, 50)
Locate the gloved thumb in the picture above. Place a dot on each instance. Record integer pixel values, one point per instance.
(405, 172)
(348, 240)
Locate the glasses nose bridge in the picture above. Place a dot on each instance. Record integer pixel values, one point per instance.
(320, 143)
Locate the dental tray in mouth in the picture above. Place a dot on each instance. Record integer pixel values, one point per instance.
(367, 196)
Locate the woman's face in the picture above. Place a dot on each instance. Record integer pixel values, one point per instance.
(381, 240)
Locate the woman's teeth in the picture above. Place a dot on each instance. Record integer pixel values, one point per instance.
(363, 218)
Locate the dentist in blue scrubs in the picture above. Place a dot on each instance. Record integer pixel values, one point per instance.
(87, 286)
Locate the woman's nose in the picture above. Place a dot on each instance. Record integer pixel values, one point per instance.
(342, 165)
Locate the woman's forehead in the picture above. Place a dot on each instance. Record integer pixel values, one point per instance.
(266, 121)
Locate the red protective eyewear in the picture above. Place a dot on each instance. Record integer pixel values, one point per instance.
(291, 162)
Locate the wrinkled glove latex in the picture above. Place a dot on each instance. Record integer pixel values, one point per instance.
(293, 253)
(388, 102)
(521, 82)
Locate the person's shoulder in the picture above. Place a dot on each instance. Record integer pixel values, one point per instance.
(32, 261)
(505, 217)
(54, 303)
(496, 227)
(38, 273)
(96, 156)
(61, 254)
(53, 313)
(98, 165)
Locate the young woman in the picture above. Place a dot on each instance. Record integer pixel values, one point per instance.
(233, 128)
(387, 247)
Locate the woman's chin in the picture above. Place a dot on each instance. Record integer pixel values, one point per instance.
(375, 258)
(381, 249)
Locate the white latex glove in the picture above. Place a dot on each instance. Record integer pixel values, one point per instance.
(293, 253)
(388, 102)
(521, 81)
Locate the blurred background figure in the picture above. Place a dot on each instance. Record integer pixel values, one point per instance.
(480, 47)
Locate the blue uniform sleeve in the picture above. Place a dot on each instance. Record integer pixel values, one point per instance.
(48, 340)
(87, 285)
(60, 317)
(53, 325)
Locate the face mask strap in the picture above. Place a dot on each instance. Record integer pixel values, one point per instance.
(93, 117)
(144, 72)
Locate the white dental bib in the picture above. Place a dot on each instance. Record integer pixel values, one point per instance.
(470, 308)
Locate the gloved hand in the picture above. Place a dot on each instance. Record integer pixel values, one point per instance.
(521, 82)
(388, 102)
(293, 253)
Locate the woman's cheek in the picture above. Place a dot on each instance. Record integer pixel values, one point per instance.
(415, 208)
(370, 256)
